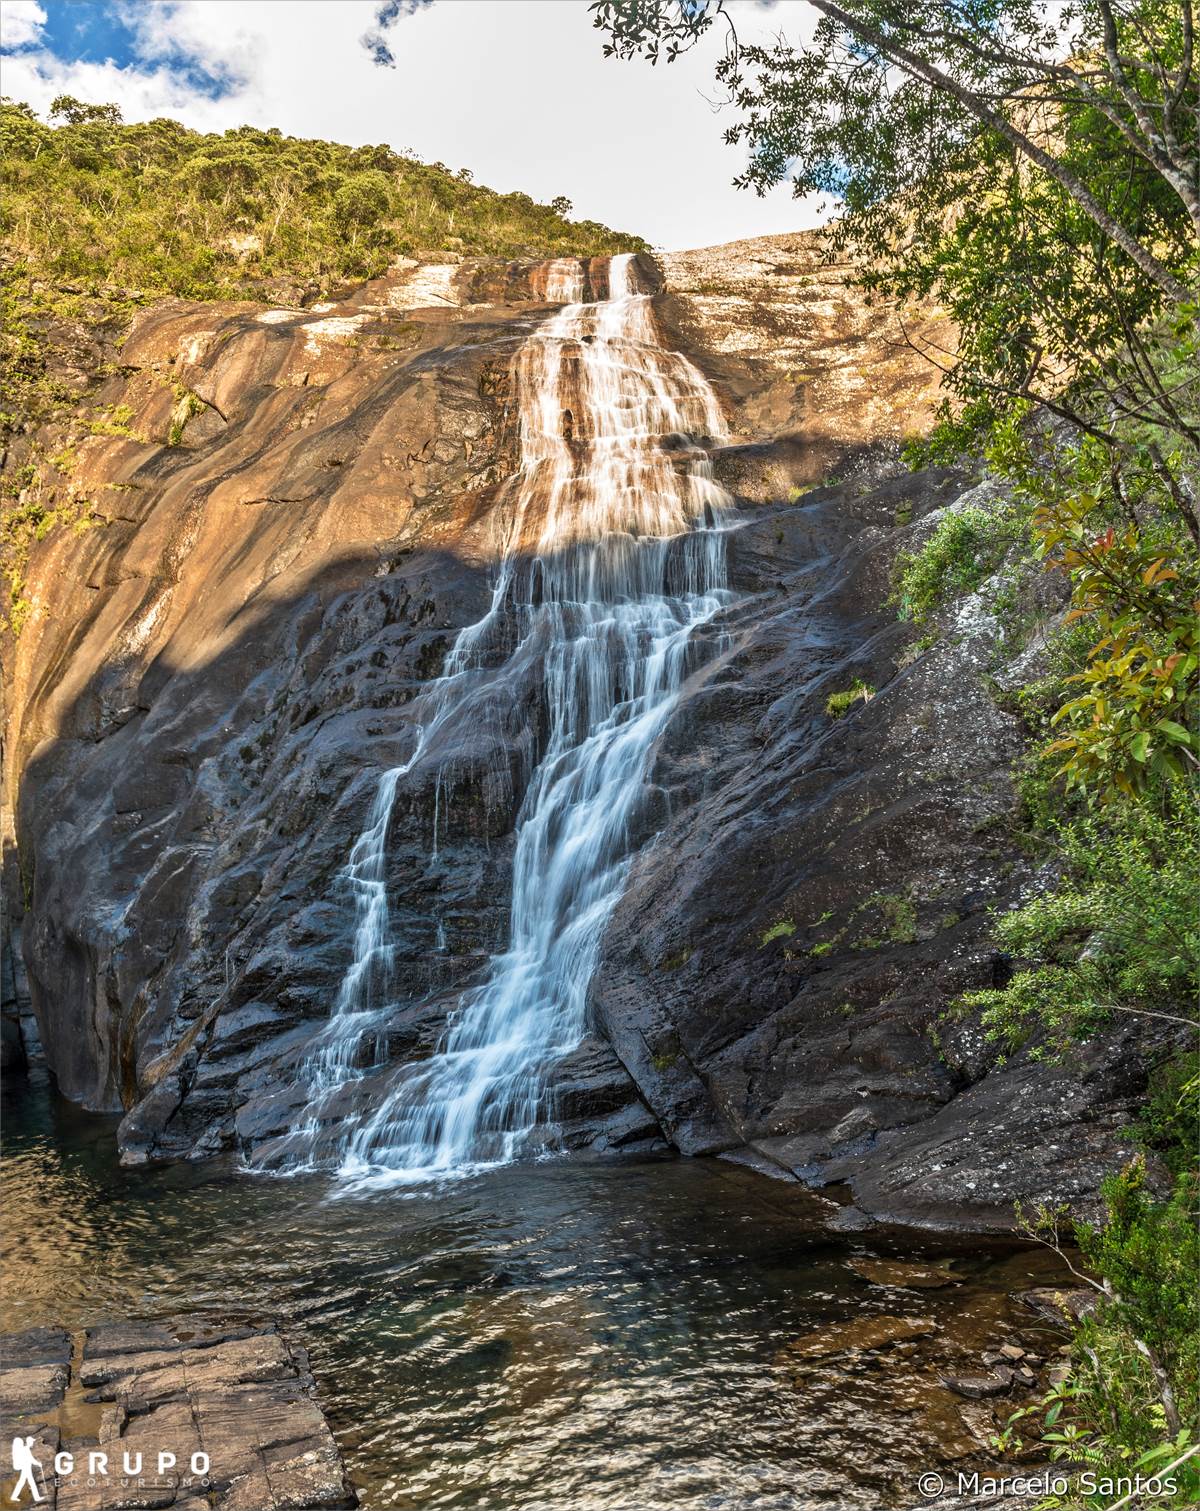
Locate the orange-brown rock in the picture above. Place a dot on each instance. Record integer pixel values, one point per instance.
(798, 352)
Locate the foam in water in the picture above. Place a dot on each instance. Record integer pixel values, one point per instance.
(613, 554)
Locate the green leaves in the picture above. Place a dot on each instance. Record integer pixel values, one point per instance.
(156, 207)
(1119, 934)
(1132, 1399)
(1134, 719)
(964, 549)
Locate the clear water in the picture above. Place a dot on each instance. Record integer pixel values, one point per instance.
(611, 552)
(546, 1337)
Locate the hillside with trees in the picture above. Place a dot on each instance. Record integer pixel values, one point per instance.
(100, 216)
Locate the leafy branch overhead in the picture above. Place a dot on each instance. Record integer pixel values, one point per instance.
(1060, 140)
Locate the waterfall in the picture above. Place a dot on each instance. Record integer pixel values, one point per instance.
(613, 553)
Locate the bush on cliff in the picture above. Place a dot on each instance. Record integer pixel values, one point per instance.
(1131, 1404)
(99, 216)
(1119, 935)
(965, 548)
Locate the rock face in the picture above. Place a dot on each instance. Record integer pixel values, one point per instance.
(776, 971)
(800, 354)
(148, 1398)
(298, 511)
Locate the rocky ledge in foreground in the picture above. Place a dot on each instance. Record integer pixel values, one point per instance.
(180, 1414)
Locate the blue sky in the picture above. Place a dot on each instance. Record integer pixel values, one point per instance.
(95, 31)
(518, 91)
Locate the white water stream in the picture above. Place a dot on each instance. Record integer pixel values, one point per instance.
(614, 553)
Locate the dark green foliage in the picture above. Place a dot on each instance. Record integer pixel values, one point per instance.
(1169, 1124)
(1149, 1254)
(965, 548)
(1131, 1403)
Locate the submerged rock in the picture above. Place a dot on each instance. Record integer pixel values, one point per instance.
(894, 1272)
(870, 1332)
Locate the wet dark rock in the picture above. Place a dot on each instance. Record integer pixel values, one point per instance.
(596, 1105)
(997, 1382)
(1064, 1307)
(34, 1347)
(778, 968)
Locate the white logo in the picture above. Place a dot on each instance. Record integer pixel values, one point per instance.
(24, 1463)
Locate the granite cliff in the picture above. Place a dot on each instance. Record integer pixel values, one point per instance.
(278, 520)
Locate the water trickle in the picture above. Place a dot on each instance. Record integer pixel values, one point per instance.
(613, 554)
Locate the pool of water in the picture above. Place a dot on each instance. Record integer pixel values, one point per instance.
(551, 1337)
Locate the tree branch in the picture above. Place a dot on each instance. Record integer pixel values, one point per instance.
(920, 68)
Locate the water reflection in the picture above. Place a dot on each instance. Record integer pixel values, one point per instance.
(555, 1337)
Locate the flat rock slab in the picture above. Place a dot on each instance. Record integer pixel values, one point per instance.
(35, 1391)
(239, 1394)
(39, 1345)
(162, 1337)
(34, 1371)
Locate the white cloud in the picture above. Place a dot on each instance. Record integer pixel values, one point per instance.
(516, 90)
(37, 77)
(21, 22)
(172, 32)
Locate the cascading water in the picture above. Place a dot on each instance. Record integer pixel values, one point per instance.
(614, 554)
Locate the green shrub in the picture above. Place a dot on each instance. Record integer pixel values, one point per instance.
(1121, 933)
(23, 522)
(838, 704)
(899, 915)
(1169, 1123)
(965, 548)
(157, 207)
(1148, 1252)
(1132, 1400)
(959, 433)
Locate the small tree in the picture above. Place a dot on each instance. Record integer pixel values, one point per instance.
(363, 200)
(73, 112)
